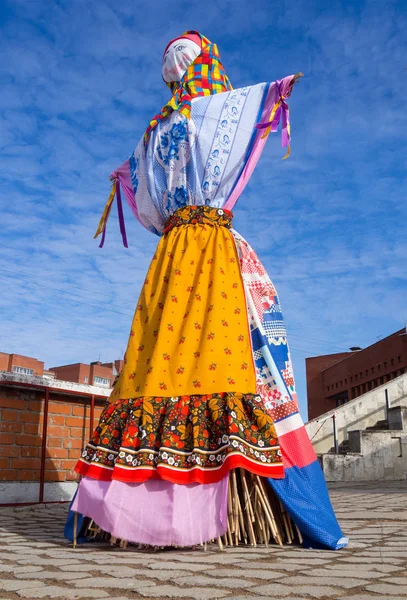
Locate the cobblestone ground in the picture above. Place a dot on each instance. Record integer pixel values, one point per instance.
(36, 562)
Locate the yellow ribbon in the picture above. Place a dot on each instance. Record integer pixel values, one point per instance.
(288, 152)
(273, 112)
(106, 211)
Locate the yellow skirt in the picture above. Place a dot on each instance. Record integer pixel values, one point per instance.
(190, 333)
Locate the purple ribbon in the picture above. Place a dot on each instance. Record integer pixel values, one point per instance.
(282, 113)
(120, 213)
(121, 218)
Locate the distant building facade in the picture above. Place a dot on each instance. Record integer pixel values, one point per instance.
(97, 373)
(334, 379)
(18, 363)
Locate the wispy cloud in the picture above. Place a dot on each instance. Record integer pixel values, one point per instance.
(80, 80)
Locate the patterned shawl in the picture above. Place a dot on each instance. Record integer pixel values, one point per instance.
(204, 76)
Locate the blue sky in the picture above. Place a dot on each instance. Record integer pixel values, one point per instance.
(80, 80)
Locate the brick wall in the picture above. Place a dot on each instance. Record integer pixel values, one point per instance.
(21, 427)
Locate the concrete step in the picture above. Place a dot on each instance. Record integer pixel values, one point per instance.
(380, 425)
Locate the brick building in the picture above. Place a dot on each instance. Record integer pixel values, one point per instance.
(16, 363)
(334, 379)
(97, 373)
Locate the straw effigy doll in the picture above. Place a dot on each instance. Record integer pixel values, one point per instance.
(207, 385)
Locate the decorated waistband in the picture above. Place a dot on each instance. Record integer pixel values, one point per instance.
(199, 215)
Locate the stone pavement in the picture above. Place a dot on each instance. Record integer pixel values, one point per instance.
(36, 562)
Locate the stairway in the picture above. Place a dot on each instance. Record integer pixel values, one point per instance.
(378, 452)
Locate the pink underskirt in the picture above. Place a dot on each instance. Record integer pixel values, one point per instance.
(158, 513)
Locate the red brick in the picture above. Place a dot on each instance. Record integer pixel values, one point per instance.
(10, 451)
(9, 427)
(55, 442)
(26, 417)
(25, 463)
(4, 463)
(55, 475)
(7, 438)
(77, 432)
(8, 475)
(35, 405)
(58, 453)
(28, 452)
(74, 421)
(28, 440)
(78, 411)
(27, 475)
(68, 465)
(71, 475)
(51, 464)
(13, 403)
(76, 454)
(59, 409)
(73, 443)
(56, 431)
(32, 428)
(9, 415)
(56, 419)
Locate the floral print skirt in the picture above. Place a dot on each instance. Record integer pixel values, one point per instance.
(186, 406)
(184, 439)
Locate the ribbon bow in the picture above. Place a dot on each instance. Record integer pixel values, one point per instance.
(280, 111)
(106, 212)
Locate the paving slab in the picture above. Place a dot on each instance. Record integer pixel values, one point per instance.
(36, 561)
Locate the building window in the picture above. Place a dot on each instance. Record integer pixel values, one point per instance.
(351, 378)
(23, 370)
(399, 359)
(379, 366)
(385, 364)
(85, 379)
(372, 369)
(367, 372)
(102, 381)
(346, 382)
(361, 374)
(392, 361)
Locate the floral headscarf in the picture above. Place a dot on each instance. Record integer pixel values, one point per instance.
(203, 77)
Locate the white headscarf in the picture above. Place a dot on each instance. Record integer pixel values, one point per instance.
(177, 58)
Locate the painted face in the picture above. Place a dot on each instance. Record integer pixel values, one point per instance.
(177, 58)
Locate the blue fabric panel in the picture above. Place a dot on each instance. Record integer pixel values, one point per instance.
(304, 493)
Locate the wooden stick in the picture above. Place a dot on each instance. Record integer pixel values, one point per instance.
(299, 534)
(220, 543)
(248, 504)
(268, 513)
(229, 532)
(248, 509)
(240, 513)
(235, 508)
(230, 507)
(269, 509)
(75, 529)
(286, 523)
